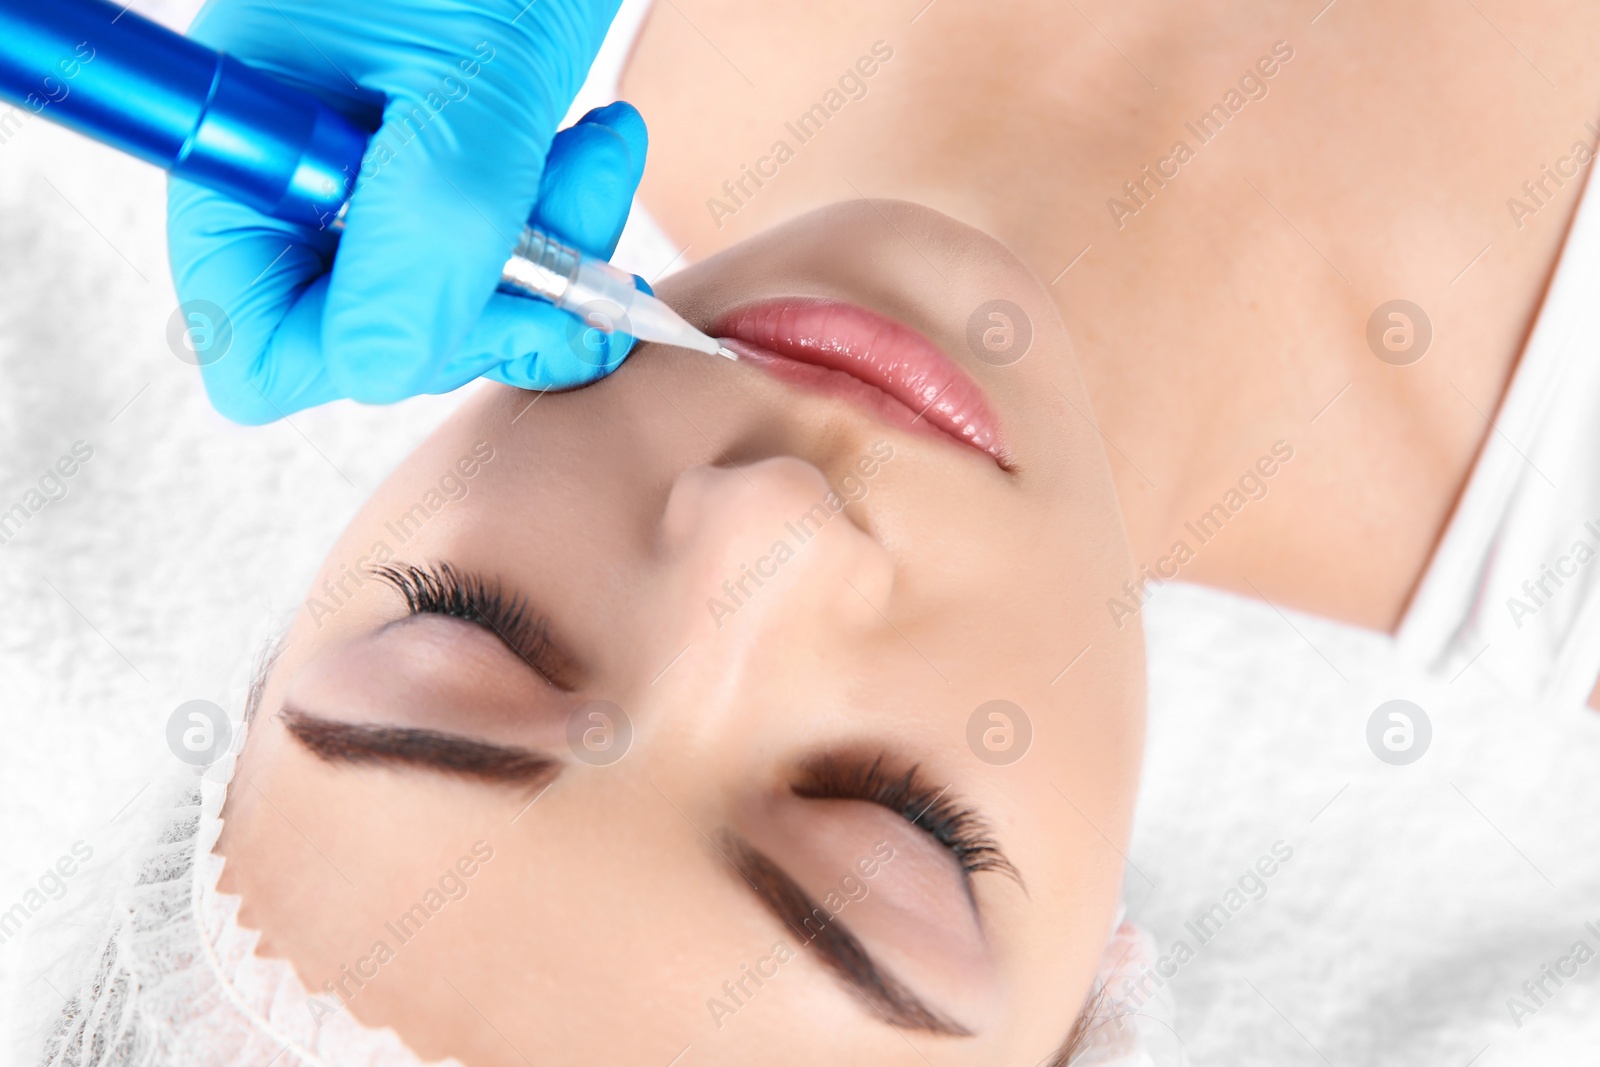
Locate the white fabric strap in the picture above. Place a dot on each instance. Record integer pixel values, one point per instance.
(1512, 596)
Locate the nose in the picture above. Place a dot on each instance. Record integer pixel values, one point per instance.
(769, 551)
(760, 586)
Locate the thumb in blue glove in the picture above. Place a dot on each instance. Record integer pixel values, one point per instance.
(466, 154)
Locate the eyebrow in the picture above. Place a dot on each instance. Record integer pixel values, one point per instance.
(404, 746)
(396, 746)
(837, 947)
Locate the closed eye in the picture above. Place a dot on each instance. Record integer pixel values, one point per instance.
(908, 793)
(443, 589)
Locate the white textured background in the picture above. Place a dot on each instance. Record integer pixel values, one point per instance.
(1394, 936)
(1419, 897)
(181, 545)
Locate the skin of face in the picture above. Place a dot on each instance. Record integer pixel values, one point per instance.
(599, 916)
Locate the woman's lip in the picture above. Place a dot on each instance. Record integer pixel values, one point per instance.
(917, 385)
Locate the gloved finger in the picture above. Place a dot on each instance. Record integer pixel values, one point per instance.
(421, 253)
(625, 119)
(451, 176)
(250, 295)
(534, 345)
(459, 160)
(275, 365)
(590, 352)
(590, 178)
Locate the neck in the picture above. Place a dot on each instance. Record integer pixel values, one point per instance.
(1215, 236)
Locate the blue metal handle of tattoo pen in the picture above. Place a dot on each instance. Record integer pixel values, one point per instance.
(211, 119)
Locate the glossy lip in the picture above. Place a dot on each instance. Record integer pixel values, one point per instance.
(890, 369)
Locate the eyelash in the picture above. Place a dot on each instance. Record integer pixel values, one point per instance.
(440, 589)
(908, 794)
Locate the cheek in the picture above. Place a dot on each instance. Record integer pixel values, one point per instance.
(336, 853)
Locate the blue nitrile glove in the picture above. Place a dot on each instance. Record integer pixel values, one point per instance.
(471, 93)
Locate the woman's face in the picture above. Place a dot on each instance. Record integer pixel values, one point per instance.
(665, 735)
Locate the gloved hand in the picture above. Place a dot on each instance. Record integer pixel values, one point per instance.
(471, 94)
